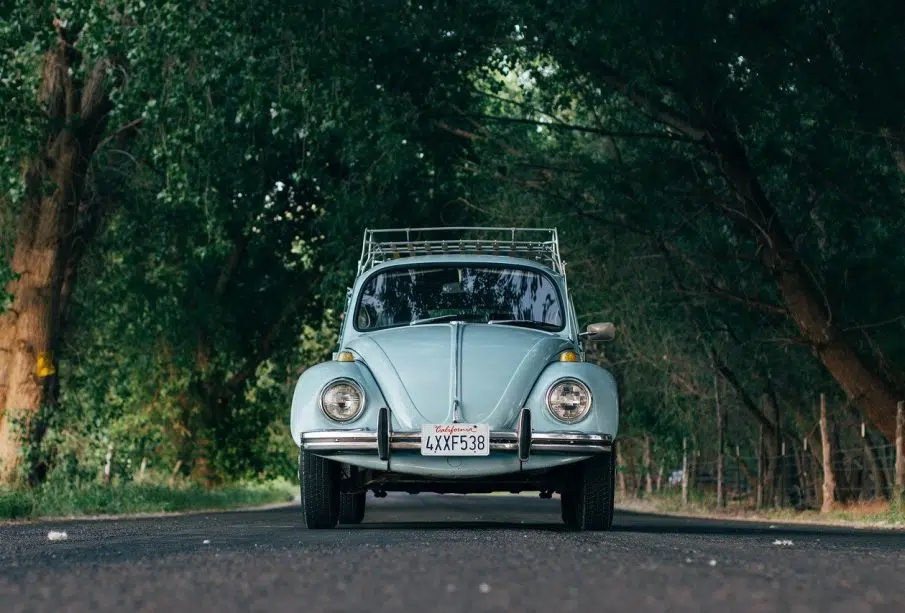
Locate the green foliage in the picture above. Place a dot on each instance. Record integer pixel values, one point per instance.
(246, 153)
(244, 158)
(59, 498)
(16, 504)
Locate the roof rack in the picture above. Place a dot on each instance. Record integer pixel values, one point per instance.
(540, 244)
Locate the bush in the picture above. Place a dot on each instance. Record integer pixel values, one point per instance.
(60, 498)
(16, 504)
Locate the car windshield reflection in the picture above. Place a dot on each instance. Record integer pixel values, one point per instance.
(496, 295)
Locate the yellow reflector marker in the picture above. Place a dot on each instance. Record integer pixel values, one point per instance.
(568, 356)
(45, 365)
(345, 356)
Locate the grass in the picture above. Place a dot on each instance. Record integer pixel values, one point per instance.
(64, 500)
(874, 513)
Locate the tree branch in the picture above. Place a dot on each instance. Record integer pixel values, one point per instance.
(757, 305)
(584, 129)
(748, 402)
(124, 130)
(265, 347)
(658, 111)
(715, 289)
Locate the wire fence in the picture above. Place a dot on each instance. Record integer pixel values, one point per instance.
(793, 479)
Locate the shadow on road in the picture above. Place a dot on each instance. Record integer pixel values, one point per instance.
(459, 525)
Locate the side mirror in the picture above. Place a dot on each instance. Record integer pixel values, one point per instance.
(604, 331)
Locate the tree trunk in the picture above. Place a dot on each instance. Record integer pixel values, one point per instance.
(780, 472)
(900, 450)
(648, 469)
(804, 299)
(759, 494)
(755, 216)
(684, 471)
(771, 451)
(829, 477)
(804, 486)
(720, 447)
(842, 475)
(30, 332)
(878, 476)
(693, 470)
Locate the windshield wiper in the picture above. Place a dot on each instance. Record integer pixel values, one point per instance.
(526, 323)
(441, 318)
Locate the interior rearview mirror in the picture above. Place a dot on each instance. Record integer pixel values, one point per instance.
(604, 331)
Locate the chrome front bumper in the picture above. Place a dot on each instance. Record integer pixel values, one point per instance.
(523, 441)
(353, 440)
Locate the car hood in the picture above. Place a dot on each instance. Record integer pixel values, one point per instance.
(489, 368)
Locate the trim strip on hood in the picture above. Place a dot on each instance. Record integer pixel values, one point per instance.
(455, 369)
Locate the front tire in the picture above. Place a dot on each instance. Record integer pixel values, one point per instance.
(319, 486)
(588, 496)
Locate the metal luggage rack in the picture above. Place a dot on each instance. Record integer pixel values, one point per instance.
(387, 244)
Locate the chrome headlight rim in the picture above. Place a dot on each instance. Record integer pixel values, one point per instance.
(572, 380)
(342, 381)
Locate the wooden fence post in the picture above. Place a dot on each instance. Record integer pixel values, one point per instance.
(829, 478)
(900, 451)
(684, 471)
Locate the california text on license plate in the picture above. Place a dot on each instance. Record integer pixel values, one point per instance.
(455, 439)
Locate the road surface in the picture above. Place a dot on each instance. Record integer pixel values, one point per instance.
(433, 554)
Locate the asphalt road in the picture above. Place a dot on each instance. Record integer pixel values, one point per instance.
(432, 554)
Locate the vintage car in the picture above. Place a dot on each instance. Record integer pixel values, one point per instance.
(460, 369)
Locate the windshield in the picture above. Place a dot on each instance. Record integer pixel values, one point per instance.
(486, 294)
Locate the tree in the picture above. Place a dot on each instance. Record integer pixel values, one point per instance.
(59, 93)
(756, 163)
(227, 214)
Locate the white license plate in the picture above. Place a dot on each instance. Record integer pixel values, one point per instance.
(455, 439)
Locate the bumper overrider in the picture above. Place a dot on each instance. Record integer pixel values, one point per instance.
(383, 441)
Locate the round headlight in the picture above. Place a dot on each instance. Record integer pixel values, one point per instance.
(569, 400)
(342, 400)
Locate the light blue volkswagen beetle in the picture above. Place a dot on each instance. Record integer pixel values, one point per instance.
(460, 370)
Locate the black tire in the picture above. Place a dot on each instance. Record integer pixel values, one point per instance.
(566, 505)
(588, 497)
(319, 486)
(352, 508)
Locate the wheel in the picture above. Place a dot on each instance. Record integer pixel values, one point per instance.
(611, 510)
(352, 508)
(588, 496)
(319, 485)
